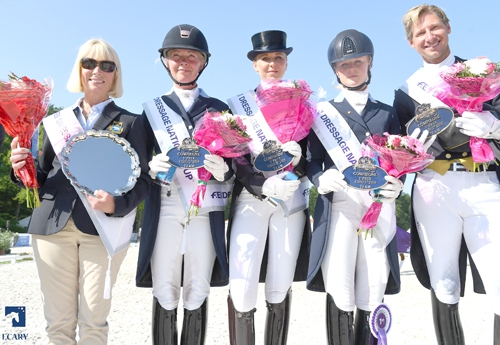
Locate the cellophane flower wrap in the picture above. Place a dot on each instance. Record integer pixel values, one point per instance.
(23, 104)
(397, 155)
(287, 107)
(466, 86)
(224, 135)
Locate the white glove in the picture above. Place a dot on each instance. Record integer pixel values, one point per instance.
(293, 148)
(159, 163)
(276, 187)
(423, 138)
(332, 180)
(216, 166)
(479, 124)
(391, 190)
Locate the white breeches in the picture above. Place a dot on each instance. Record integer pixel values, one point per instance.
(355, 270)
(167, 260)
(447, 207)
(254, 222)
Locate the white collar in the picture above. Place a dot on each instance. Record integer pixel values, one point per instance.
(450, 60)
(346, 94)
(98, 108)
(193, 94)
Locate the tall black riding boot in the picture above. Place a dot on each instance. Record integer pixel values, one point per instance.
(241, 325)
(447, 322)
(194, 326)
(277, 320)
(339, 328)
(164, 325)
(496, 330)
(362, 332)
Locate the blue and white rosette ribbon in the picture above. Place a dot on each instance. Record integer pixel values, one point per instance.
(380, 323)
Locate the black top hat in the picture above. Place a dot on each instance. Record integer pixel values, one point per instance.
(268, 41)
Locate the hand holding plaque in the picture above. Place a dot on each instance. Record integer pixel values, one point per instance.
(272, 158)
(434, 120)
(188, 155)
(365, 175)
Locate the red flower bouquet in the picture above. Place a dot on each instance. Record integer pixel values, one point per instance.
(397, 155)
(23, 104)
(287, 108)
(222, 134)
(465, 87)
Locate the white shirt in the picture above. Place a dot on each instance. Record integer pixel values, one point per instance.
(187, 97)
(89, 122)
(357, 99)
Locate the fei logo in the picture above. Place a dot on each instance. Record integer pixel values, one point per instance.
(17, 315)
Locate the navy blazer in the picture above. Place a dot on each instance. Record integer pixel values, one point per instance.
(59, 199)
(378, 118)
(220, 273)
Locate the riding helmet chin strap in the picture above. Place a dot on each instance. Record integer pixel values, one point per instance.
(184, 84)
(360, 86)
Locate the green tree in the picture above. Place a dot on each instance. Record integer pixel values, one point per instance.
(313, 195)
(403, 204)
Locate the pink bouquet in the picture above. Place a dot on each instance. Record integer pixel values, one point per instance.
(287, 108)
(222, 134)
(465, 87)
(397, 155)
(23, 104)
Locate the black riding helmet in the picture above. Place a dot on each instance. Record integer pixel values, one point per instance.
(350, 44)
(185, 36)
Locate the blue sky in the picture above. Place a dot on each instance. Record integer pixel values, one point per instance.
(41, 38)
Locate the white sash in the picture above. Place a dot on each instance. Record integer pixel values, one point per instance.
(245, 106)
(337, 137)
(344, 149)
(115, 232)
(418, 87)
(169, 130)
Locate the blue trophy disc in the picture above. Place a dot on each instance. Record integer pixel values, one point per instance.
(272, 158)
(365, 175)
(188, 155)
(380, 323)
(435, 120)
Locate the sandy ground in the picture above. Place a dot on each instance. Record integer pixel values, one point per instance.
(130, 318)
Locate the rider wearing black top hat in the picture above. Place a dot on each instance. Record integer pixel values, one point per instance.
(264, 244)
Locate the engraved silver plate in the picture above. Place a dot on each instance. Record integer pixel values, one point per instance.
(100, 160)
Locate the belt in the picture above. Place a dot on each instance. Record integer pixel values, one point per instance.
(457, 167)
(479, 167)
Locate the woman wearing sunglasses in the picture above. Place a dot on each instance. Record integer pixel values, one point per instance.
(70, 256)
(177, 256)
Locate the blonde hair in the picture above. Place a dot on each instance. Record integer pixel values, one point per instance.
(100, 50)
(413, 15)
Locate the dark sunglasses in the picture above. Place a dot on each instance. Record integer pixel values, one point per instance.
(105, 66)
